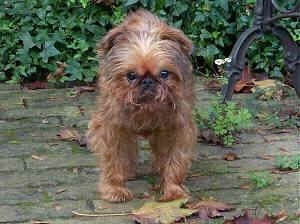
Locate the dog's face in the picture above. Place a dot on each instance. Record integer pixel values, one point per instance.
(145, 63)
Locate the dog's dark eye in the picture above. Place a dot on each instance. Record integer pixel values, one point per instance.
(164, 74)
(131, 76)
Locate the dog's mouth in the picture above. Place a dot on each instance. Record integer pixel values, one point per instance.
(147, 96)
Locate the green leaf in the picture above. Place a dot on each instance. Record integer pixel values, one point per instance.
(27, 41)
(23, 57)
(75, 71)
(209, 51)
(162, 212)
(130, 2)
(49, 51)
(41, 13)
(224, 5)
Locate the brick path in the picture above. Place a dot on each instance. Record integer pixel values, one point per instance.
(66, 178)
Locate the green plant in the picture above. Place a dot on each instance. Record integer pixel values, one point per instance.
(274, 120)
(288, 162)
(225, 120)
(35, 35)
(261, 179)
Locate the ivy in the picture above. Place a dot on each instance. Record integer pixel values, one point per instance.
(36, 34)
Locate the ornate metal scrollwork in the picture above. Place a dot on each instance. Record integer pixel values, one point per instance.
(265, 24)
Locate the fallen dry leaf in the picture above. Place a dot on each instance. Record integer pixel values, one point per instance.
(266, 157)
(245, 84)
(45, 121)
(71, 135)
(35, 157)
(82, 89)
(68, 134)
(283, 149)
(280, 216)
(230, 156)
(75, 170)
(247, 219)
(245, 187)
(59, 191)
(270, 89)
(35, 85)
(39, 222)
(153, 212)
(209, 208)
(267, 83)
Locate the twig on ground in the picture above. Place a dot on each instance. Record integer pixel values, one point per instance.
(101, 215)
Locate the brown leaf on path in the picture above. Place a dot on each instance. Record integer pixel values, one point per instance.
(245, 187)
(209, 209)
(267, 219)
(68, 134)
(82, 89)
(230, 156)
(283, 149)
(266, 157)
(153, 212)
(35, 85)
(280, 216)
(59, 191)
(39, 222)
(36, 157)
(278, 171)
(247, 219)
(245, 84)
(267, 83)
(72, 135)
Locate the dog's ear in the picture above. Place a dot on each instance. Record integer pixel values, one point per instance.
(108, 41)
(169, 33)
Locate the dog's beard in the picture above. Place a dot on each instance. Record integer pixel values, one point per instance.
(154, 99)
(149, 109)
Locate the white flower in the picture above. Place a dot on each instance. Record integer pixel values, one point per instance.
(219, 61)
(222, 61)
(227, 60)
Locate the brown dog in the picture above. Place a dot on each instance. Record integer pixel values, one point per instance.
(146, 89)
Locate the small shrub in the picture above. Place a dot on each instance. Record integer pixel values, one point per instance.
(288, 162)
(224, 120)
(261, 179)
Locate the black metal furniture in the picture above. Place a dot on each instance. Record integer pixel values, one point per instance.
(265, 23)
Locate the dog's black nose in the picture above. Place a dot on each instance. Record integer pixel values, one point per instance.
(147, 83)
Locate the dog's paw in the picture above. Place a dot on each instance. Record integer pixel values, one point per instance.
(116, 194)
(173, 192)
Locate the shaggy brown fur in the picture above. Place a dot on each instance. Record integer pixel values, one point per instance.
(137, 50)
